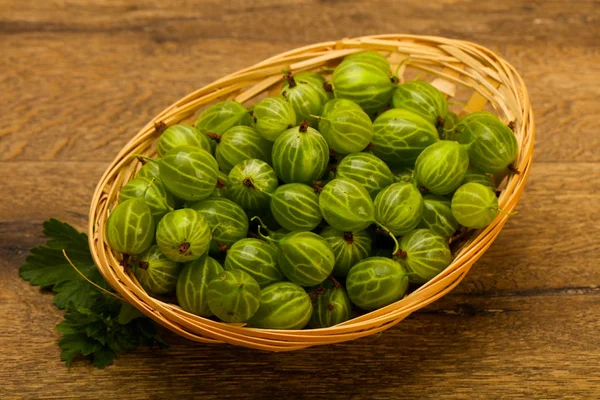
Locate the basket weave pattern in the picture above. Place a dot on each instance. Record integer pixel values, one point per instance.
(450, 65)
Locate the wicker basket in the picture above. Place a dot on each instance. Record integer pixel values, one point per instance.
(462, 70)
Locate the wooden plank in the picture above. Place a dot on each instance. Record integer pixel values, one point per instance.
(461, 347)
(59, 114)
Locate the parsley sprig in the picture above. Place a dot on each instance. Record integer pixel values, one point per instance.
(97, 325)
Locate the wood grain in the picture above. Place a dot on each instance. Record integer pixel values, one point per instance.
(80, 78)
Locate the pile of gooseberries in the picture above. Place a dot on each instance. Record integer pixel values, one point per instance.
(338, 196)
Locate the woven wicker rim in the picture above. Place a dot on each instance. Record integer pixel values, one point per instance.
(455, 65)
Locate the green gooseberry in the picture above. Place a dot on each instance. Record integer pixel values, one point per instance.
(130, 227)
(257, 258)
(474, 205)
(400, 136)
(305, 258)
(153, 192)
(423, 99)
(424, 254)
(233, 296)
(437, 216)
(374, 58)
(241, 143)
(300, 155)
(318, 81)
(192, 285)
(306, 98)
(363, 82)
(155, 272)
(337, 103)
(228, 223)
(295, 206)
(221, 186)
(346, 205)
(331, 305)
(492, 145)
(366, 169)
(190, 173)
(182, 135)
(283, 305)
(272, 117)
(442, 166)
(219, 117)
(150, 169)
(399, 207)
(346, 129)
(376, 282)
(251, 184)
(348, 248)
(183, 235)
(475, 176)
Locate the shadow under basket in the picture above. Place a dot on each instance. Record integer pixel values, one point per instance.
(471, 75)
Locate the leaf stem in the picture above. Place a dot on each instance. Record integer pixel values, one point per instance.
(89, 281)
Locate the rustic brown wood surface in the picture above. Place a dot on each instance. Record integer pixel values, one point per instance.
(79, 78)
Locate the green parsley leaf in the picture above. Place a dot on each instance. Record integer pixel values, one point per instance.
(96, 325)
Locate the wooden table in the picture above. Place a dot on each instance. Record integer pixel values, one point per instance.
(79, 78)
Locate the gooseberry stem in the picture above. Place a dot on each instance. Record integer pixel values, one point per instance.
(143, 159)
(265, 227)
(510, 214)
(400, 66)
(383, 228)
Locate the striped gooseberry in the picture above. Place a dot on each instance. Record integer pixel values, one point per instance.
(227, 220)
(346, 129)
(190, 173)
(155, 272)
(233, 296)
(295, 207)
(219, 117)
(130, 227)
(251, 183)
(399, 136)
(364, 82)
(306, 98)
(256, 257)
(283, 305)
(305, 258)
(437, 215)
(492, 145)
(399, 207)
(422, 98)
(241, 143)
(183, 235)
(182, 135)
(441, 167)
(331, 305)
(474, 205)
(192, 285)
(424, 254)
(153, 192)
(273, 116)
(376, 282)
(348, 248)
(300, 155)
(366, 169)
